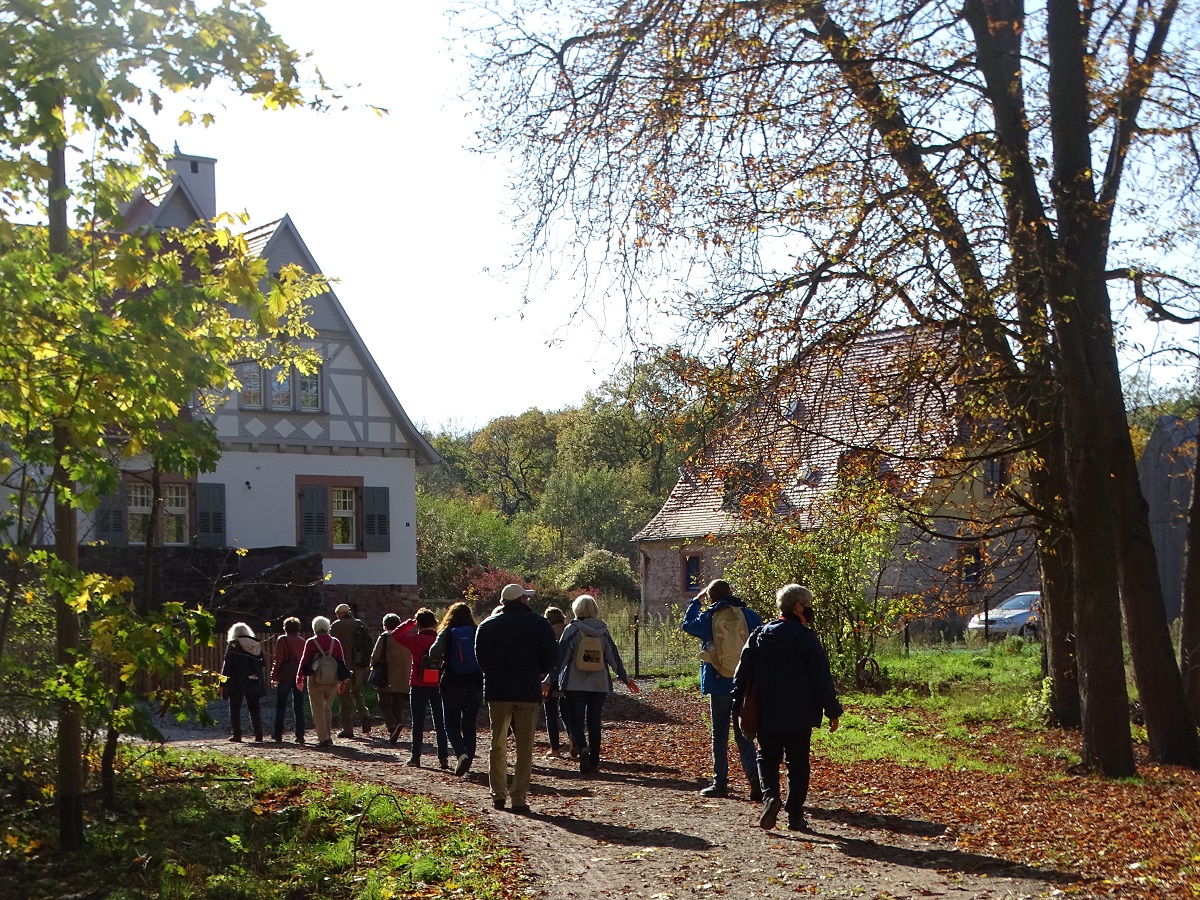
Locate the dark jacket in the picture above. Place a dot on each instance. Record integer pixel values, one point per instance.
(698, 623)
(516, 650)
(245, 667)
(791, 676)
(438, 654)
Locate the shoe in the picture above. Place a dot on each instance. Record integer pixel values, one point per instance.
(235, 739)
(328, 742)
(346, 733)
(585, 765)
(770, 813)
(395, 735)
(498, 803)
(755, 793)
(520, 808)
(277, 739)
(574, 751)
(366, 723)
(443, 762)
(463, 766)
(715, 790)
(797, 824)
(258, 740)
(299, 739)
(413, 762)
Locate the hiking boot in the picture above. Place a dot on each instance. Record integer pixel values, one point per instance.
(755, 794)
(235, 739)
(770, 813)
(346, 733)
(498, 803)
(521, 809)
(797, 823)
(299, 739)
(443, 762)
(366, 723)
(464, 766)
(715, 790)
(414, 762)
(395, 735)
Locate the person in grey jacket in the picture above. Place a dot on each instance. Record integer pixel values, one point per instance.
(588, 684)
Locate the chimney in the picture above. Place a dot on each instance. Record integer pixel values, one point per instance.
(198, 174)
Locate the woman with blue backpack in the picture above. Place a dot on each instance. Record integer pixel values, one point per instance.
(461, 682)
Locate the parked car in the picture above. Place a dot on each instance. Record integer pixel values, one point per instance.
(1019, 615)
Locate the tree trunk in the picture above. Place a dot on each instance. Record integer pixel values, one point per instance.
(1170, 724)
(108, 769)
(1058, 626)
(1189, 643)
(66, 547)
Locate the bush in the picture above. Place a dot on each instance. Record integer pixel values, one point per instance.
(603, 571)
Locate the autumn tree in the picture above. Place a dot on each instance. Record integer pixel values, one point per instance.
(116, 332)
(1019, 178)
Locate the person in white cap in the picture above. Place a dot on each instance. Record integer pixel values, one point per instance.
(357, 645)
(516, 649)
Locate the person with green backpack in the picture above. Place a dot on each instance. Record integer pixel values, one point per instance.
(723, 627)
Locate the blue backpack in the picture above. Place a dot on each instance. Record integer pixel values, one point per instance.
(461, 658)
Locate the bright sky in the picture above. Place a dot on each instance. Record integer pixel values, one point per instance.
(411, 223)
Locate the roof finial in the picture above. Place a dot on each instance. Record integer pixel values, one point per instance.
(177, 150)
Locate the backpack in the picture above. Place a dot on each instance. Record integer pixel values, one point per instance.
(589, 653)
(461, 657)
(729, 637)
(362, 646)
(325, 668)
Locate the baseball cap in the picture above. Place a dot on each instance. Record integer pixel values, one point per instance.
(514, 592)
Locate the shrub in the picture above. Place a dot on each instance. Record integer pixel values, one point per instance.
(602, 571)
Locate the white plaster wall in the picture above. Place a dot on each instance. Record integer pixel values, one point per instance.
(264, 514)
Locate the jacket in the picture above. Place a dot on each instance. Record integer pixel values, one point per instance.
(516, 650)
(418, 644)
(437, 655)
(791, 677)
(570, 678)
(698, 623)
(344, 629)
(399, 663)
(288, 650)
(245, 667)
(327, 643)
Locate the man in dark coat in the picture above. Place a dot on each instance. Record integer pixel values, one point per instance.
(795, 690)
(516, 649)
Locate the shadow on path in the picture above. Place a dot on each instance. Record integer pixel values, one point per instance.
(878, 822)
(958, 860)
(624, 836)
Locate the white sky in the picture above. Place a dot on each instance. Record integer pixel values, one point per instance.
(408, 220)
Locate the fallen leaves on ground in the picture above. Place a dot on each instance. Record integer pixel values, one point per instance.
(1132, 838)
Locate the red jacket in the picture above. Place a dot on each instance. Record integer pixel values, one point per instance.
(418, 644)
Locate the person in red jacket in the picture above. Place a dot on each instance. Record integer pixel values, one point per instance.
(320, 696)
(418, 635)
(285, 664)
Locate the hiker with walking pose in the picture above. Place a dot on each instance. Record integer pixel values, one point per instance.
(244, 671)
(794, 690)
(323, 667)
(722, 628)
(395, 661)
(461, 682)
(586, 652)
(285, 663)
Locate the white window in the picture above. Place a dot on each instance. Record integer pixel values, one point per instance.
(140, 500)
(281, 389)
(250, 376)
(175, 514)
(343, 518)
(308, 388)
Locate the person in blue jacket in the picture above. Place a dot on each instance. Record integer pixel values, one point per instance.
(697, 621)
(795, 690)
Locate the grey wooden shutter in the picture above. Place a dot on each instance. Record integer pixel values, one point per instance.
(110, 519)
(377, 531)
(314, 517)
(210, 515)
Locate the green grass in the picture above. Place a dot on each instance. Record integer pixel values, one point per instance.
(207, 826)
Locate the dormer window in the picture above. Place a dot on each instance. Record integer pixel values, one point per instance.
(279, 390)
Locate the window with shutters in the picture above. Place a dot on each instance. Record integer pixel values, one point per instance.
(339, 516)
(139, 501)
(210, 515)
(175, 514)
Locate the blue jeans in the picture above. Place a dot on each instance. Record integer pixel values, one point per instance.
(287, 689)
(461, 703)
(427, 698)
(720, 707)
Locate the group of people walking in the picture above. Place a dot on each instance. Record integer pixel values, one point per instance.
(518, 661)
(441, 673)
(792, 692)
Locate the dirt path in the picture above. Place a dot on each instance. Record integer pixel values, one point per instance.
(640, 829)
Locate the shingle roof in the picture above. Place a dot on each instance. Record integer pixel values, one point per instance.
(258, 238)
(887, 395)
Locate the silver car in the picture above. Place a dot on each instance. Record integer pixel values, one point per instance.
(1019, 615)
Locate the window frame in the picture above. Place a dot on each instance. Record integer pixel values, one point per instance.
(691, 585)
(243, 375)
(328, 483)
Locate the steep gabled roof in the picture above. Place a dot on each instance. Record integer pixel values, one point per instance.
(885, 398)
(260, 241)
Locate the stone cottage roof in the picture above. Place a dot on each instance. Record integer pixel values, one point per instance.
(882, 401)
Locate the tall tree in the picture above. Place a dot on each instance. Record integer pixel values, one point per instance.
(82, 67)
(834, 168)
